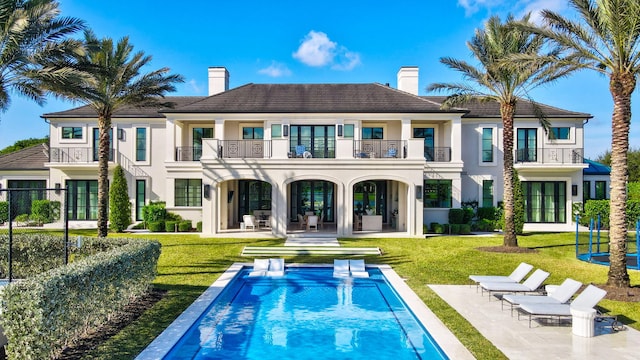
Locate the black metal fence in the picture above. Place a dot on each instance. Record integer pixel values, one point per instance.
(32, 210)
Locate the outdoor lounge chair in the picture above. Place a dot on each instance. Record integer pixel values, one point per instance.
(276, 267)
(303, 224)
(532, 284)
(561, 295)
(250, 222)
(515, 277)
(300, 149)
(340, 268)
(587, 299)
(260, 267)
(312, 222)
(357, 268)
(267, 267)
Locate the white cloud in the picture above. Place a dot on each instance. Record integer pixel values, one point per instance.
(318, 50)
(473, 6)
(347, 60)
(275, 70)
(535, 7)
(195, 86)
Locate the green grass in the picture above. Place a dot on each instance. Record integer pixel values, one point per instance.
(189, 264)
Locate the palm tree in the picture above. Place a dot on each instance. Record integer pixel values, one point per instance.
(112, 79)
(32, 35)
(493, 80)
(605, 40)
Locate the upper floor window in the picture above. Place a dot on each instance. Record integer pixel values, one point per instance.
(276, 131)
(141, 144)
(487, 145)
(96, 144)
(559, 133)
(372, 133)
(348, 130)
(72, 133)
(252, 133)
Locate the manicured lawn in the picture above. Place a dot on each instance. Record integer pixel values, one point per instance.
(189, 264)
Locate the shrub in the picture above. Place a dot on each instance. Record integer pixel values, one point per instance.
(4, 211)
(155, 211)
(43, 314)
(488, 213)
(438, 228)
(455, 228)
(633, 191)
(185, 226)
(119, 205)
(156, 226)
(22, 218)
(45, 211)
(171, 226)
(467, 215)
(456, 216)
(465, 229)
(432, 226)
(172, 216)
(593, 208)
(485, 225)
(31, 254)
(199, 226)
(425, 229)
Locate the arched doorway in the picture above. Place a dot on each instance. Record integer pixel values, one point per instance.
(317, 196)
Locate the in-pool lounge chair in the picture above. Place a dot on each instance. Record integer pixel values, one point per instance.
(515, 277)
(267, 267)
(340, 268)
(357, 268)
(587, 299)
(561, 295)
(532, 284)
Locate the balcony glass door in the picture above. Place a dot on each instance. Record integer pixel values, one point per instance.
(314, 195)
(319, 140)
(526, 145)
(428, 134)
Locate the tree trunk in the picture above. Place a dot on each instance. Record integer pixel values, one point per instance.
(621, 86)
(104, 125)
(506, 111)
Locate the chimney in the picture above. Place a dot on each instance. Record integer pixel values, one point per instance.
(218, 80)
(408, 79)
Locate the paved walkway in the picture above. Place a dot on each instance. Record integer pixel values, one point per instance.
(517, 341)
(311, 241)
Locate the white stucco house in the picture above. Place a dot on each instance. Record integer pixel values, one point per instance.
(283, 150)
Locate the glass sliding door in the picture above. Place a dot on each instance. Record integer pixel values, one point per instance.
(544, 201)
(318, 140)
(429, 141)
(83, 199)
(312, 195)
(253, 195)
(197, 136)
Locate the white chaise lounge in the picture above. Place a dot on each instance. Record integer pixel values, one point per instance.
(532, 284)
(515, 277)
(587, 299)
(561, 295)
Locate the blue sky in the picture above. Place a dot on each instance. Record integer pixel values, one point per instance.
(314, 42)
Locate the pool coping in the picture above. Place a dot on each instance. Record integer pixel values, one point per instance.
(164, 342)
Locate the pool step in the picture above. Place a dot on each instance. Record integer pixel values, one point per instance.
(308, 250)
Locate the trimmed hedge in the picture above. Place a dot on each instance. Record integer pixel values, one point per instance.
(170, 226)
(456, 216)
(32, 254)
(4, 212)
(43, 314)
(156, 226)
(45, 211)
(185, 226)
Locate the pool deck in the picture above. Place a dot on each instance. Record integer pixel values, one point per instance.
(517, 341)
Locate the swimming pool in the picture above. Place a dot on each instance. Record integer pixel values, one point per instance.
(306, 314)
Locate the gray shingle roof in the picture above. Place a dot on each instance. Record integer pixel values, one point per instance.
(31, 158)
(127, 111)
(316, 98)
(311, 98)
(524, 108)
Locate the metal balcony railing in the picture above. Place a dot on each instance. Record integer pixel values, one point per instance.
(75, 155)
(391, 149)
(244, 149)
(550, 156)
(188, 153)
(307, 147)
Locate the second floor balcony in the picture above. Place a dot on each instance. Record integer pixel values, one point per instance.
(549, 156)
(75, 155)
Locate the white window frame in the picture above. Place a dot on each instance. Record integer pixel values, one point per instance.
(135, 128)
(82, 140)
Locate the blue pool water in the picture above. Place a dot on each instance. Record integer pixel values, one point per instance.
(307, 314)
